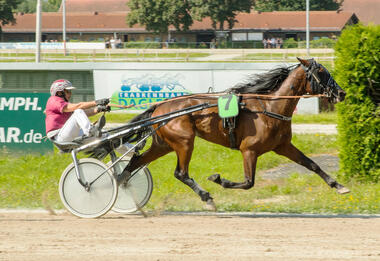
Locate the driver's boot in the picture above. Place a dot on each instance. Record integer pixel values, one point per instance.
(96, 129)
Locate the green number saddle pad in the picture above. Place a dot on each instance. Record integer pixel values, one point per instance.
(228, 106)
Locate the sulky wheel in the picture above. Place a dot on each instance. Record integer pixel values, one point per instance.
(95, 201)
(136, 192)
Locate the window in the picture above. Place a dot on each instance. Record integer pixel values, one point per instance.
(255, 36)
(239, 36)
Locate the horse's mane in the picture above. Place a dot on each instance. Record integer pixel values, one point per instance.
(264, 82)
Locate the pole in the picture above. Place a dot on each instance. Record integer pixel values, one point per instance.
(38, 31)
(307, 29)
(64, 26)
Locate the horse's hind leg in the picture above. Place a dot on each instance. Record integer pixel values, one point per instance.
(291, 152)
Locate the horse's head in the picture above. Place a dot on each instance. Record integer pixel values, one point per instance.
(321, 82)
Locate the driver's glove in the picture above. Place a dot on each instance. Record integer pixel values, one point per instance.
(103, 108)
(104, 101)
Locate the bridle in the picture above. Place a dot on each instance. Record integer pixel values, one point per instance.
(319, 86)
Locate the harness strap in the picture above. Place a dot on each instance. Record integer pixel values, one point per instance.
(272, 114)
(230, 123)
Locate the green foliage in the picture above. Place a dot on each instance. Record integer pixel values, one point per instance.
(143, 45)
(29, 6)
(6, 11)
(220, 11)
(357, 60)
(320, 43)
(296, 5)
(51, 5)
(241, 44)
(158, 15)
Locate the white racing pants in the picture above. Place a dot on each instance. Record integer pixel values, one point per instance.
(77, 125)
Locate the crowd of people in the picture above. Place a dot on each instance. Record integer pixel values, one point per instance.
(114, 43)
(273, 42)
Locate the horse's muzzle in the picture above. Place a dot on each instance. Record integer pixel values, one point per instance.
(341, 95)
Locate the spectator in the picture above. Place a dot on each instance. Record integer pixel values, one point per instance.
(119, 43)
(269, 44)
(212, 43)
(273, 42)
(107, 43)
(265, 43)
(113, 43)
(279, 42)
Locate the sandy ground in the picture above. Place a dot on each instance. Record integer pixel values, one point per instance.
(40, 236)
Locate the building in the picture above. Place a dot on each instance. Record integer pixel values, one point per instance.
(95, 20)
(366, 10)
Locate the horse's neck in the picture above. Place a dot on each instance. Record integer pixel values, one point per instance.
(292, 86)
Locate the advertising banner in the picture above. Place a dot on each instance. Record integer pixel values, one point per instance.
(139, 89)
(22, 122)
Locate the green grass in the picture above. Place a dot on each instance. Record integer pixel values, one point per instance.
(321, 118)
(115, 117)
(31, 181)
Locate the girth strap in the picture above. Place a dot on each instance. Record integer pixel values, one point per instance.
(230, 123)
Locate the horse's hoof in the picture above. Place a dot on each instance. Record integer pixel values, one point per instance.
(210, 205)
(343, 190)
(215, 178)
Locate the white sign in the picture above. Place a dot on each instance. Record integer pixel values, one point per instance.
(52, 45)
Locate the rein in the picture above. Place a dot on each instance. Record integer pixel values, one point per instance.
(310, 75)
(206, 95)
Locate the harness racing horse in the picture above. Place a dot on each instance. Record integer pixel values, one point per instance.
(263, 125)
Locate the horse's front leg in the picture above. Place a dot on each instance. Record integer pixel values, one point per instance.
(290, 151)
(181, 173)
(250, 159)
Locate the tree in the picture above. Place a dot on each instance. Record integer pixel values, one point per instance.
(296, 5)
(29, 6)
(6, 11)
(158, 15)
(220, 11)
(51, 6)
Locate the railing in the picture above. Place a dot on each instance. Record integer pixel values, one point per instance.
(167, 54)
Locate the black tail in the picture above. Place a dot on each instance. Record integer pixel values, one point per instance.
(145, 115)
(142, 132)
(102, 150)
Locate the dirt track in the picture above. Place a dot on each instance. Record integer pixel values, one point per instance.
(38, 236)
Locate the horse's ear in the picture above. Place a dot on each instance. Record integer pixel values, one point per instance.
(304, 62)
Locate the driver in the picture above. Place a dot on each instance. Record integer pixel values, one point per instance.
(66, 121)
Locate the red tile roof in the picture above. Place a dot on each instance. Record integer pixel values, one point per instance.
(116, 22)
(368, 11)
(96, 6)
(296, 20)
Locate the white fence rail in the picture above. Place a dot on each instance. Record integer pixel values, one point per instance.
(145, 55)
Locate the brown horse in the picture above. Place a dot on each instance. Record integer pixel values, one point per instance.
(263, 125)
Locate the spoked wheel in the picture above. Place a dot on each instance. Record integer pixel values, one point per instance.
(136, 192)
(95, 201)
